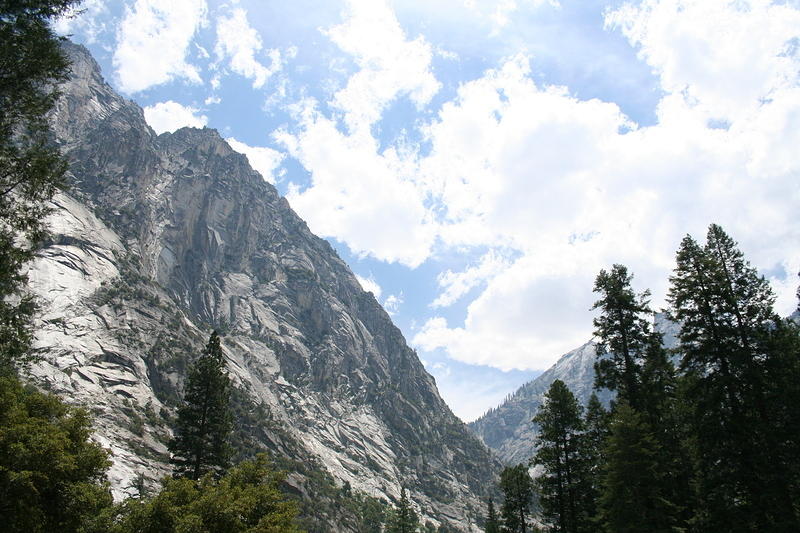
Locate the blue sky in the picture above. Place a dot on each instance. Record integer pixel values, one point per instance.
(477, 162)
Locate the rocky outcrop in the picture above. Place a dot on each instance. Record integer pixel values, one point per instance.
(164, 238)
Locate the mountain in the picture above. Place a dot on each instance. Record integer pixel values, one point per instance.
(163, 238)
(508, 430)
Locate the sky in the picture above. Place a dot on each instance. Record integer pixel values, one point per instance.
(477, 162)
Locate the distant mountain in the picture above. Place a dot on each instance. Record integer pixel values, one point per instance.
(508, 430)
(164, 238)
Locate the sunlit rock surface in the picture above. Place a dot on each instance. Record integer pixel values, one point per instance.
(162, 239)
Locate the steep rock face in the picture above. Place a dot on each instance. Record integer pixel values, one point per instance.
(163, 238)
(508, 430)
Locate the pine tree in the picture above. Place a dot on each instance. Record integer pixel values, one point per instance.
(727, 339)
(203, 424)
(517, 487)
(644, 379)
(404, 519)
(492, 521)
(624, 334)
(248, 499)
(32, 63)
(52, 475)
(633, 499)
(597, 429)
(564, 486)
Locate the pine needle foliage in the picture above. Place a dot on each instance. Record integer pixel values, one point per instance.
(52, 476)
(624, 333)
(204, 422)
(32, 63)
(517, 487)
(403, 519)
(247, 499)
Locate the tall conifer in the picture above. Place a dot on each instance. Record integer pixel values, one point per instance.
(633, 498)
(623, 332)
(728, 341)
(492, 521)
(517, 487)
(596, 424)
(563, 484)
(203, 425)
(403, 519)
(32, 63)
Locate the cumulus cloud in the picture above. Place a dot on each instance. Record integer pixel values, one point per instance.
(565, 186)
(370, 285)
(455, 285)
(170, 116)
(389, 64)
(240, 43)
(152, 43)
(362, 196)
(392, 303)
(725, 57)
(263, 159)
(573, 186)
(520, 320)
(358, 195)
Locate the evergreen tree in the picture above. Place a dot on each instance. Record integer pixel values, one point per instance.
(564, 486)
(492, 521)
(623, 331)
(597, 429)
(203, 424)
(517, 487)
(644, 379)
(404, 519)
(247, 499)
(728, 341)
(632, 499)
(52, 476)
(31, 167)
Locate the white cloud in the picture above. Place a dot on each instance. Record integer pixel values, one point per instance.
(212, 100)
(392, 303)
(370, 285)
(170, 116)
(240, 43)
(264, 160)
(389, 64)
(726, 57)
(457, 284)
(573, 187)
(363, 197)
(521, 320)
(152, 43)
(357, 195)
(86, 19)
(568, 186)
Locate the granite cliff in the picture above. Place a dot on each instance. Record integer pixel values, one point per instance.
(163, 238)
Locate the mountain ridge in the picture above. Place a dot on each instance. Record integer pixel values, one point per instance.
(508, 428)
(165, 237)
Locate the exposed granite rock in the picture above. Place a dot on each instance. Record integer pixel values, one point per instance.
(163, 238)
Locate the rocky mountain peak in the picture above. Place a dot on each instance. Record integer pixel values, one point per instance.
(164, 238)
